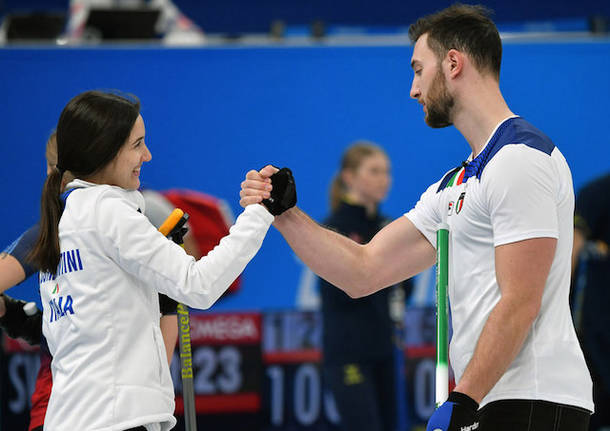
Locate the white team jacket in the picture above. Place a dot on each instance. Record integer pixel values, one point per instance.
(101, 311)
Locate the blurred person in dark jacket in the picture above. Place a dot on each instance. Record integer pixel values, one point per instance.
(358, 337)
(591, 290)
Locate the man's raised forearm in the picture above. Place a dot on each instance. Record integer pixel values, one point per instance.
(339, 260)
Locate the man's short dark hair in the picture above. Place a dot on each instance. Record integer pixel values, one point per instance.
(466, 28)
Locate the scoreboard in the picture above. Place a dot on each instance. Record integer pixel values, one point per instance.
(254, 371)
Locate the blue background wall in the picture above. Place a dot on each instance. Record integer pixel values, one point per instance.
(243, 16)
(212, 114)
(247, 16)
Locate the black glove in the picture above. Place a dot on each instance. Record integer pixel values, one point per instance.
(167, 305)
(458, 413)
(284, 192)
(17, 324)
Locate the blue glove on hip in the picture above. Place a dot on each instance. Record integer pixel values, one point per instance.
(458, 413)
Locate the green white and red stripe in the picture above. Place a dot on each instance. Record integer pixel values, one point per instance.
(457, 178)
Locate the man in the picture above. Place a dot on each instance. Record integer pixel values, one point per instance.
(514, 350)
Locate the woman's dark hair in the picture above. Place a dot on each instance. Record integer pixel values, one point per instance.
(91, 130)
(466, 28)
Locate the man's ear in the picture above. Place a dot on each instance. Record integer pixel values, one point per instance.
(455, 63)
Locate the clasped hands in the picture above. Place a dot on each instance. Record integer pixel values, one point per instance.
(273, 187)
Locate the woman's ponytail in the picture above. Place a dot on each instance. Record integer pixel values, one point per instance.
(337, 192)
(46, 253)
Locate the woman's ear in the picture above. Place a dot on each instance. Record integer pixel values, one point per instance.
(347, 177)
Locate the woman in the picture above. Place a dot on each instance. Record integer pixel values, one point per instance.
(358, 333)
(14, 268)
(103, 264)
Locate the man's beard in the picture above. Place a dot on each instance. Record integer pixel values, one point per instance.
(439, 103)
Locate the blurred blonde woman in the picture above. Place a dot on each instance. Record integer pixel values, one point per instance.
(358, 333)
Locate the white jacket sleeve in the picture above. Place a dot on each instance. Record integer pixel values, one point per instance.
(129, 239)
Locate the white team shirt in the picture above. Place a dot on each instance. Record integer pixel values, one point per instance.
(520, 188)
(101, 311)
